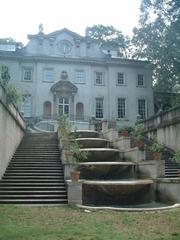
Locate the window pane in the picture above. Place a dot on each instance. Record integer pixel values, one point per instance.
(99, 107)
(99, 78)
(121, 107)
(120, 78)
(60, 109)
(61, 100)
(142, 108)
(48, 75)
(27, 74)
(63, 107)
(140, 80)
(66, 109)
(79, 76)
(66, 100)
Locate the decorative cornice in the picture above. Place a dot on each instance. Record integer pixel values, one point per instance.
(64, 86)
(81, 60)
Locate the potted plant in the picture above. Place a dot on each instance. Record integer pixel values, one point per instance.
(156, 148)
(78, 155)
(71, 150)
(125, 131)
(176, 157)
(137, 135)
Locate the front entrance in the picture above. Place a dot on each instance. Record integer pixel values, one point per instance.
(63, 106)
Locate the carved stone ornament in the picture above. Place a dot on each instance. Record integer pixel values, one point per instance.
(64, 75)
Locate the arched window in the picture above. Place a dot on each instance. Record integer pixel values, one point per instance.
(79, 111)
(47, 109)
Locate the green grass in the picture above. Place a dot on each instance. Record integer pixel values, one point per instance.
(71, 223)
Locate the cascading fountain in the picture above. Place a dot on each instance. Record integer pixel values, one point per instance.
(107, 178)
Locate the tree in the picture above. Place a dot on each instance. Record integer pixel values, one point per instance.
(13, 96)
(5, 41)
(158, 40)
(109, 38)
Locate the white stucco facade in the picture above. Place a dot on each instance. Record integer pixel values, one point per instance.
(64, 66)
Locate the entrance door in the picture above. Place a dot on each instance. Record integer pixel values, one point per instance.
(79, 111)
(47, 109)
(63, 106)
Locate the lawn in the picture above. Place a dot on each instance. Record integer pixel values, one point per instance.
(71, 223)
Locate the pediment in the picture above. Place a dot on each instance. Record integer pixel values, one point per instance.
(66, 31)
(64, 86)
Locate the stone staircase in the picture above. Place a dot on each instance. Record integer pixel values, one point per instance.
(35, 174)
(171, 169)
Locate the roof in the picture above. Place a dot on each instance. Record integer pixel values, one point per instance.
(52, 34)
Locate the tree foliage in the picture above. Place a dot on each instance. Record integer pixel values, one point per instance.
(13, 96)
(158, 40)
(109, 38)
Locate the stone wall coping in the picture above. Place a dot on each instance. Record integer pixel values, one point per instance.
(168, 180)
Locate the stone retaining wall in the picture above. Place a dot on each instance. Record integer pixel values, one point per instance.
(12, 129)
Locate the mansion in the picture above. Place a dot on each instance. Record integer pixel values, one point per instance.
(63, 72)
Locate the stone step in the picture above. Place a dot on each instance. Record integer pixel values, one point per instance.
(41, 160)
(32, 183)
(11, 180)
(35, 196)
(32, 188)
(34, 201)
(171, 176)
(86, 134)
(33, 169)
(32, 177)
(38, 155)
(37, 151)
(171, 170)
(37, 173)
(35, 165)
(32, 192)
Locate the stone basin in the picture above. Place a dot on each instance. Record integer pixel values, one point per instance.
(103, 154)
(107, 170)
(92, 142)
(118, 192)
(86, 134)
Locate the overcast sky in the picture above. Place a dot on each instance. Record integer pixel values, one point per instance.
(21, 17)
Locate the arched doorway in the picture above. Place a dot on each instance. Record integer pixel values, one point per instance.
(79, 111)
(47, 109)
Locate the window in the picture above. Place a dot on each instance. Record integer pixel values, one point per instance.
(27, 74)
(26, 106)
(140, 80)
(63, 106)
(4, 73)
(120, 78)
(79, 76)
(121, 107)
(99, 78)
(142, 108)
(48, 75)
(99, 107)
